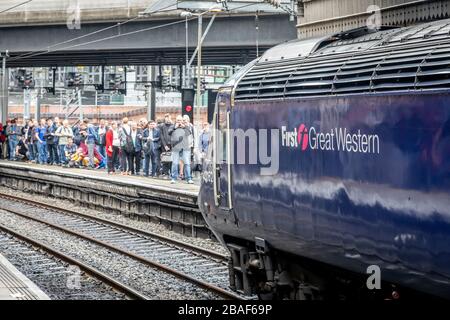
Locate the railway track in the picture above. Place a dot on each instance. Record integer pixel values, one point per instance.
(9, 241)
(203, 268)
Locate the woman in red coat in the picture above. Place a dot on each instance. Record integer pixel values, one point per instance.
(112, 147)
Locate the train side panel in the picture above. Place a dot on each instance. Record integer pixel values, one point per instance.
(362, 180)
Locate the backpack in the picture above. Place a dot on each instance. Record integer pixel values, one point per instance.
(146, 147)
(129, 145)
(102, 139)
(93, 132)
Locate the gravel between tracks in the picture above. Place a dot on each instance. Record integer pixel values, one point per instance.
(56, 278)
(144, 225)
(153, 283)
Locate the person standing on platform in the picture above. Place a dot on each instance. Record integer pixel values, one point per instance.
(112, 146)
(27, 133)
(56, 125)
(63, 133)
(203, 144)
(76, 134)
(152, 149)
(135, 155)
(126, 147)
(142, 125)
(6, 145)
(35, 141)
(91, 141)
(166, 146)
(101, 132)
(179, 135)
(190, 127)
(40, 134)
(13, 134)
(51, 139)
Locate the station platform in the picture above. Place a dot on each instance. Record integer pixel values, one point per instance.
(16, 286)
(101, 175)
(99, 180)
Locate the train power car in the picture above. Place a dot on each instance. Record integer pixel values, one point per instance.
(328, 173)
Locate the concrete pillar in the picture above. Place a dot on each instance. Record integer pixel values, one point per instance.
(151, 93)
(38, 108)
(26, 104)
(4, 91)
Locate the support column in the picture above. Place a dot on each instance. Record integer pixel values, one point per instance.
(151, 93)
(38, 107)
(199, 68)
(80, 105)
(26, 104)
(4, 91)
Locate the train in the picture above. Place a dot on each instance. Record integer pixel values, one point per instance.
(328, 170)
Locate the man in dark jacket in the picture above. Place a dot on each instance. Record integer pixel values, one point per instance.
(152, 149)
(27, 133)
(165, 142)
(135, 157)
(40, 133)
(180, 138)
(13, 133)
(52, 146)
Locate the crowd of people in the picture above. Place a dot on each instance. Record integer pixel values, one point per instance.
(151, 148)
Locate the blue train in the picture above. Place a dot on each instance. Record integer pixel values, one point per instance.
(328, 174)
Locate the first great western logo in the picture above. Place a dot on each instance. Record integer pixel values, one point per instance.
(336, 139)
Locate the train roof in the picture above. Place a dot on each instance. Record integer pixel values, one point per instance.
(353, 62)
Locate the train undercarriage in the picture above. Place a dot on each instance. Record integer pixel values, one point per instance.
(256, 269)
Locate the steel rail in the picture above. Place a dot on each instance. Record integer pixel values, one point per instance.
(181, 275)
(93, 272)
(194, 248)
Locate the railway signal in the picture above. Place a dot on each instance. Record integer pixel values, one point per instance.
(203, 85)
(163, 82)
(21, 78)
(25, 79)
(28, 83)
(187, 101)
(117, 81)
(78, 80)
(74, 79)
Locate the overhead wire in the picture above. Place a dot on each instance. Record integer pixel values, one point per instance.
(43, 52)
(15, 6)
(117, 25)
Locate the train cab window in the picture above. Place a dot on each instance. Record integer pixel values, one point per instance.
(222, 127)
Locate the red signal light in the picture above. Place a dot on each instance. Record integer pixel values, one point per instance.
(188, 108)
